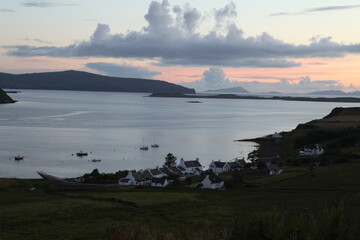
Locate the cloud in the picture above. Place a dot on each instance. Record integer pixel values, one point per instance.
(212, 78)
(36, 40)
(317, 9)
(119, 70)
(6, 10)
(45, 4)
(189, 76)
(216, 78)
(332, 8)
(171, 38)
(303, 84)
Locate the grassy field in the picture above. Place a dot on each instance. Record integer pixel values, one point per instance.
(53, 214)
(303, 203)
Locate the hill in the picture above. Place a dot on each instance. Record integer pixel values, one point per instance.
(229, 90)
(84, 81)
(4, 98)
(328, 92)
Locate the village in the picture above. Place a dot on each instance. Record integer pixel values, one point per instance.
(211, 177)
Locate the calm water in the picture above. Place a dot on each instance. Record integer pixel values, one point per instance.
(47, 127)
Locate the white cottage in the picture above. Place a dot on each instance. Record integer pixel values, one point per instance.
(190, 167)
(273, 169)
(312, 150)
(159, 182)
(133, 178)
(212, 182)
(217, 167)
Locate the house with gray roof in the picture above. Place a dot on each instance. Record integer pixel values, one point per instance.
(212, 182)
(217, 167)
(132, 179)
(176, 170)
(191, 166)
(273, 169)
(159, 182)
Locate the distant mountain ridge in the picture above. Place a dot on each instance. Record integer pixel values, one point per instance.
(4, 98)
(335, 92)
(84, 81)
(329, 92)
(229, 90)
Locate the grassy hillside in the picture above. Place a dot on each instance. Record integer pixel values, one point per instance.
(331, 191)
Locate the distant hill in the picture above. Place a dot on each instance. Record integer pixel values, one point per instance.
(354, 93)
(229, 90)
(4, 98)
(84, 81)
(329, 92)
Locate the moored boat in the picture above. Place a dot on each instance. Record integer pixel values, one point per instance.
(81, 154)
(143, 147)
(154, 145)
(18, 158)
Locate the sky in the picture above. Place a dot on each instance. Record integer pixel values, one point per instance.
(261, 45)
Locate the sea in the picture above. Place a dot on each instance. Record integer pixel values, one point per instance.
(48, 128)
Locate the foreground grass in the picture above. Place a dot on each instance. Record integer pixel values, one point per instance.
(298, 197)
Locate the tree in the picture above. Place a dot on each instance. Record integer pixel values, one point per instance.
(170, 160)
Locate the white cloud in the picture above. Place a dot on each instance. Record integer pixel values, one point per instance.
(172, 38)
(302, 84)
(317, 9)
(212, 78)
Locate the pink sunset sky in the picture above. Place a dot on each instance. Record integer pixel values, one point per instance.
(261, 46)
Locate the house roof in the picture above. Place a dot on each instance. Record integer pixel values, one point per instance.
(181, 168)
(158, 180)
(241, 162)
(219, 164)
(138, 176)
(273, 168)
(192, 163)
(312, 146)
(146, 174)
(124, 180)
(215, 179)
(165, 170)
(175, 170)
(233, 165)
(155, 171)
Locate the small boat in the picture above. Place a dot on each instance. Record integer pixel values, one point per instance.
(143, 147)
(18, 158)
(155, 145)
(96, 160)
(81, 154)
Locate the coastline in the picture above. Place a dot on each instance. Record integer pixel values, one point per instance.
(253, 97)
(267, 146)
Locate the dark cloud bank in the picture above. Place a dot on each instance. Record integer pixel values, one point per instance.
(172, 38)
